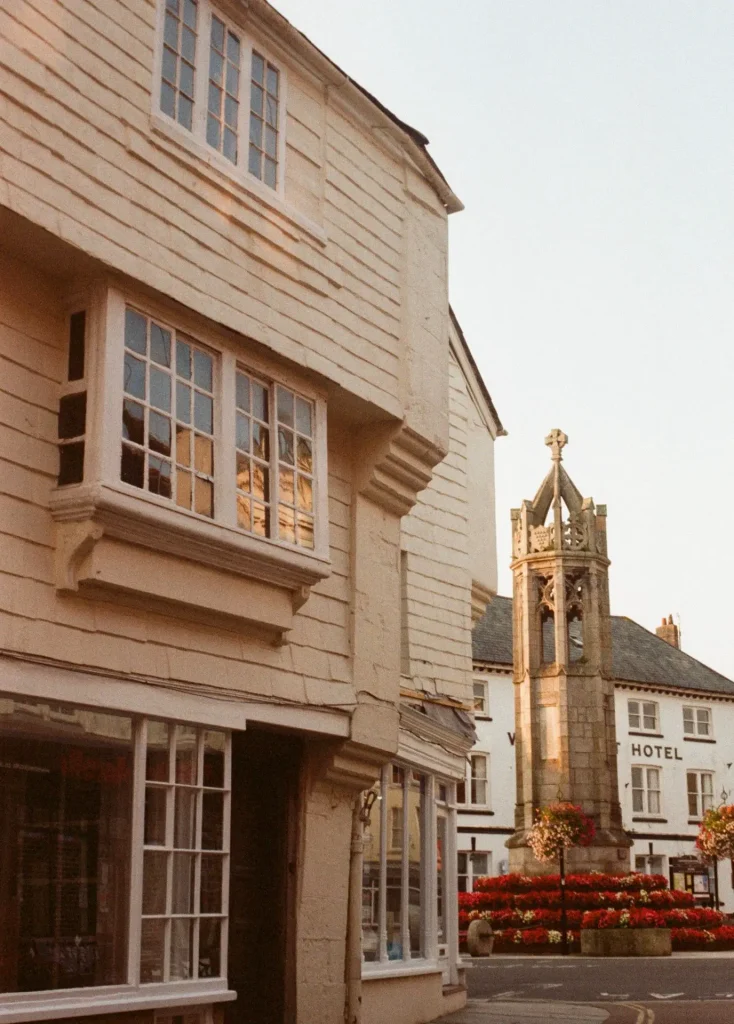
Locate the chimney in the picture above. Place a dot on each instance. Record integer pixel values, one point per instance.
(668, 631)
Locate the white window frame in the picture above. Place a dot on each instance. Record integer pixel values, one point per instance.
(480, 700)
(470, 874)
(696, 714)
(646, 789)
(703, 801)
(640, 705)
(471, 777)
(105, 354)
(16, 1007)
(197, 136)
(432, 954)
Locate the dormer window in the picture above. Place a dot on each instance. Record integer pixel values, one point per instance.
(221, 88)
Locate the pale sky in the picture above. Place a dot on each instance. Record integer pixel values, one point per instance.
(592, 144)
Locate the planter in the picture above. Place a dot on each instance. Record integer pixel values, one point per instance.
(625, 942)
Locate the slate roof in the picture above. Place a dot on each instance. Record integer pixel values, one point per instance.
(638, 656)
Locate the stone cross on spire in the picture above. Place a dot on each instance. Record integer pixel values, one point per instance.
(556, 441)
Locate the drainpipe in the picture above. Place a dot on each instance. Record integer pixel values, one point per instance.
(353, 957)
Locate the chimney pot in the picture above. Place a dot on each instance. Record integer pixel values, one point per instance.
(669, 632)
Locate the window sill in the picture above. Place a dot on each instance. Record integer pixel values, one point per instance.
(54, 1006)
(235, 179)
(468, 809)
(641, 732)
(398, 969)
(652, 821)
(698, 739)
(185, 561)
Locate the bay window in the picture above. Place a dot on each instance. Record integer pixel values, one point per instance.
(405, 887)
(223, 91)
(115, 853)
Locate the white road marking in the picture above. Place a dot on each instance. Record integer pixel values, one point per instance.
(724, 995)
(614, 995)
(666, 995)
(507, 995)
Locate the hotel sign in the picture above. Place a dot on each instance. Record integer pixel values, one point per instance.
(654, 750)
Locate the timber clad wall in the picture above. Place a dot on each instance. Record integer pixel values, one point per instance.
(81, 158)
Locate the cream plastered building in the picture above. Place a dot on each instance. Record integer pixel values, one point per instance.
(228, 373)
(674, 725)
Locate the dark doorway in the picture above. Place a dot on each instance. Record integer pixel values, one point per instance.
(265, 774)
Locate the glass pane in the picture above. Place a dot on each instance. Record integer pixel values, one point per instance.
(271, 113)
(260, 402)
(73, 415)
(210, 939)
(71, 463)
(303, 416)
(183, 489)
(287, 486)
(182, 949)
(260, 482)
(152, 941)
(184, 828)
(285, 406)
(254, 162)
(394, 879)
(243, 472)
(216, 71)
(260, 442)
(211, 883)
(183, 402)
(159, 432)
(185, 112)
(183, 446)
(170, 31)
(135, 331)
(637, 778)
(214, 747)
(243, 392)
(160, 345)
(371, 886)
(189, 13)
(233, 80)
(188, 45)
(203, 455)
(159, 476)
(133, 422)
(160, 389)
(155, 880)
(186, 85)
(168, 99)
(203, 497)
(65, 810)
(285, 445)
(155, 816)
(272, 83)
(233, 49)
(134, 376)
(186, 755)
(132, 466)
(217, 34)
(213, 131)
(258, 68)
(441, 852)
(416, 793)
(260, 519)
(243, 432)
(157, 759)
(212, 822)
(182, 888)
(231, 108)
(229, 147)
(256, 100)
(286, 524)
(271, 141)
(256, 131)
(305, 456)
(183, 359)
(203, 413)
(305, 531)
(270, 176)
(243, 513)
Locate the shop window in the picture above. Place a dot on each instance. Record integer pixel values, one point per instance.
(75, 843)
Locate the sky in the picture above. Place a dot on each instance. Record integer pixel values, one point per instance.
(592, 143)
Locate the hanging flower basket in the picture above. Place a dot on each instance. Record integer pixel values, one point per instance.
(559, 826)
(716, 834)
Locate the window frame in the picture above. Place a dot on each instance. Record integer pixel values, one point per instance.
(697, 709)
(134, 994)
(698, 794)
(646, 789)
(641, 715)
(197, 134)
(470, 778)
(470, 875)
(104, 432)
(484, 698)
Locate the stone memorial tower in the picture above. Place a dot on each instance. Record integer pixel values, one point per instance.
(566, 745)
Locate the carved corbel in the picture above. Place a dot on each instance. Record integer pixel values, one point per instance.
(73, 543)
(394, 465)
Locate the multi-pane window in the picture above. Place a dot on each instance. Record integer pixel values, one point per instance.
(404, 868)
(280, 474)
(472, 865)
(700, 793)
(72, 426)
(643, 715)
(645, 790)
(264, 92)
(481, 697)
(77, 846)
(179, 60)
(230, 97)
(649, 864)
(224, 90)
(185, 858)
(168, 415)
(476, 786)
(697, 721)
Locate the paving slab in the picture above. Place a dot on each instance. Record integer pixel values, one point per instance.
(482, 1011)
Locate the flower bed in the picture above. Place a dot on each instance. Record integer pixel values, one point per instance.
(525, 911)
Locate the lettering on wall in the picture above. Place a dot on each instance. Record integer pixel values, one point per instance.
(653, 750)
(511, 738)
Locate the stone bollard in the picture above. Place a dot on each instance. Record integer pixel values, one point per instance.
(480, 938)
